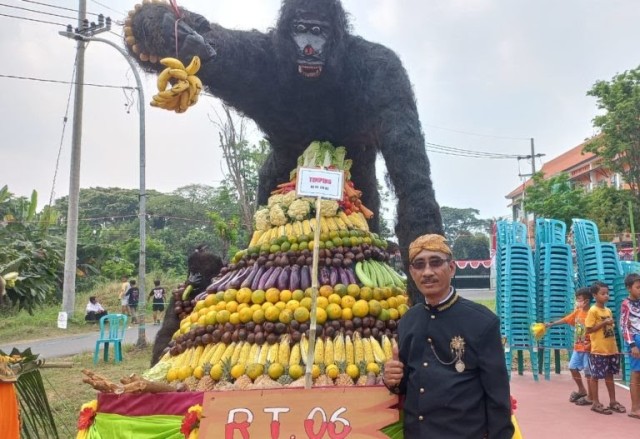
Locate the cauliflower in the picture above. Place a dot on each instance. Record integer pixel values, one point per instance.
(299, 209)
(277, 215)
(288, 198)
(328, 208)
(274, 199)
(261, 218)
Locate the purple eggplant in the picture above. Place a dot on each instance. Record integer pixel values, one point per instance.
(294, 278)
(305, 277)
(273, 278)
(256, 278)
(325, 276)
(227, 285)
(219, 281)
(241, 276)
(246, 283)
(201, 296)
(351, 275)
(333, 276)
(264, 277)
(342, 274)
(283, 278)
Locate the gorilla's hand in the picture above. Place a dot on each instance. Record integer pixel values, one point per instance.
(155, 32)
(195, 279)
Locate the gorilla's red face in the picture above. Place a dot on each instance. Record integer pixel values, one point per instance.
(311, 37)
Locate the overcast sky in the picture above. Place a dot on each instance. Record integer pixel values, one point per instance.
(487, 74)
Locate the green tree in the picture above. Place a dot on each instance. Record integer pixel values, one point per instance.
(555, 198)
(458, 222)
(472, 246)
(608, 207)
(619, 142)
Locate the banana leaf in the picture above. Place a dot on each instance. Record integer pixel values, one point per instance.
(395, 430)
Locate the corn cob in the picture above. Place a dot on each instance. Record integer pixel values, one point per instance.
(368, 350)
(294, 358)
(344, 217)
(328, 352)
(264, 351)
(313, 224)
(358, 348)
(216, 357)
(282, 231)
(306, 227)
(387, 347)
(324, 226)
(255, 238)
(297, 228)
(206, 354)
(342, 225)
(338, 349)
(288, 230)
(318, 353)
(348, 351)
(195, 358)
(304, 348)
(254, 352)
(363, 221)
(284, 351)
(236, 353)
(272, 354)
(185, 357)
(228, 352)
(378, 353)
(333, 225)
(244, 353)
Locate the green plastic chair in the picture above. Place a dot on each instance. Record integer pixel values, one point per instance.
(113, 334)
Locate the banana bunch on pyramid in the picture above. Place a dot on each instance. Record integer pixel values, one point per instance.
(250, 329)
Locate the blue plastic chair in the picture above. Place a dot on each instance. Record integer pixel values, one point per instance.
(114, 334)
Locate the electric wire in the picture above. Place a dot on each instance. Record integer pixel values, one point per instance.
(64, 126)
(107, 7)
(57, 81)
(32, 19)
(38, 12)
(450, 150)
(57, 7)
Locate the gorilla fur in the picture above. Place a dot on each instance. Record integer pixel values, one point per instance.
(203, 266)
(362, 99)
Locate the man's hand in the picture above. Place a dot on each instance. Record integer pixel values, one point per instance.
(393, 370)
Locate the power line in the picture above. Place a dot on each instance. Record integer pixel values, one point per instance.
(38, 12)
(107, 7)
(449, 150)
(56, 81)
(32, 19)
(57, 7)
(475, 134)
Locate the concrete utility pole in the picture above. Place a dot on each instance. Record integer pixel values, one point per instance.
(533, 158)
(71, 251)
(86, 34)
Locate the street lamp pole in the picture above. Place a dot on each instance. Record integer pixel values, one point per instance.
(87, 36)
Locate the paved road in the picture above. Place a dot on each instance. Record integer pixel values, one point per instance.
(75, 344)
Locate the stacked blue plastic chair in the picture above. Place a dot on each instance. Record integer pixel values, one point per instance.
(554, 285)
(598, 261)
(626, 267)
(515, 292)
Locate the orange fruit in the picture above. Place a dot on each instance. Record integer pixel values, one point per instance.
(266, 305)
(210, 300)
(347, 302)
(402, 299)
(360, 308)
(232, 306)
(353, 371)
(315, 371)
(286, 315)
(306, 303)
(258, 316)
(255, 307)
(272, 313)
(301, 314)
(378, 294)
(257, 297)
(366, 293)
(334, 298)
(202, 321)
(321, 315)
(332, 371)
(353, 290)
(347, 314)
(387, 292)
(374, 307)
(199, 306)
(402, 308)
(334, 312)
(243, 295)
(373, 367)
(297, 295)
(384, 315)
(221, 305)
(237, 371)
(394, 314)
(253, 371)
(296, 371)
(393, 302)
(272, 295)
(216, 372)
(230, 295)
(308, 291)
(275, 371)
(285, 295)
(325, 290)
(246, 315)
(234, 318)
(340, 289)
(322, 302)
(384, 304)
(292, 305)
(210, 318)
(280, 305)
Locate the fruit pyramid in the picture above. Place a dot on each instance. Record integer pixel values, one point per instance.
(250, 328)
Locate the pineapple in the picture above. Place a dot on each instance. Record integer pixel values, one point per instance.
(225, 381)
(191, 383)
(206, 383)
(323, 380)
(285, 379)
(243, 383)
(362, 380)
(264, 381)
(343, 380)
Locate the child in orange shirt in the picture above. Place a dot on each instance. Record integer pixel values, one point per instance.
(580, 357)
(605, 358)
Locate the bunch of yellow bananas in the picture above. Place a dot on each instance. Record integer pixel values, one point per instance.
(11, 278)
(185, 85)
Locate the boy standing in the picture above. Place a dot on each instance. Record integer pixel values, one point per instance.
(158, 301)
(124, 287)
(630, 326)
(132, 295)
(581, 347)
(604, 359)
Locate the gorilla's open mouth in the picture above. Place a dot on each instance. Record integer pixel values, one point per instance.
(309, 71)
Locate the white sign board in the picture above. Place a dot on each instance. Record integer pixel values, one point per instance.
(62, 320)
(313, 182)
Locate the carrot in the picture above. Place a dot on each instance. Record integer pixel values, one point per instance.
(366, 212)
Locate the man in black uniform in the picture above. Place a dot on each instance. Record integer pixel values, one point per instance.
(450, 365)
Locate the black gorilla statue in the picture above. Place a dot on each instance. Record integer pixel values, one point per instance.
(308, 79)
(203, 266)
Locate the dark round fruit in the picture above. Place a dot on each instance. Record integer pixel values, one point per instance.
(280, 328)
(189, 344)
(216, 336)
(367, 322)
(177, 310)
(304, 327)
(329, 331)
(272, 338)
(349, 333)
(207, 339)
(228, 327)
(258, 329)
(175, 350)
(268, 327)
(235, 337)
(348, 324)
(200, 331)
(198, 341)
(392, 324)
(250, 326)
(380, 324)
(251, 338)
(209, 329)
(242, 334)
(366, 332)
(335, 324)
(296, 336)
(294, 325)
(357, 322)
(260, 338)
(375, 333)
(226, 338)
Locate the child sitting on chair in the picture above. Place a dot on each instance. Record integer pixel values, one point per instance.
(95, 311)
